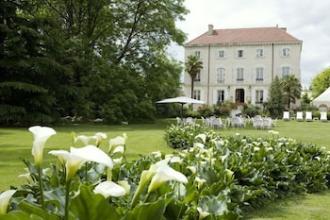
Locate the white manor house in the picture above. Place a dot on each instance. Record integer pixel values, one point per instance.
(240, 64)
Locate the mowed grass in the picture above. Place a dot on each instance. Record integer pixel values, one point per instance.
(15, 144)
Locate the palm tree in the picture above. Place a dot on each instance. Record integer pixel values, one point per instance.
(193, 67)
(291, 89)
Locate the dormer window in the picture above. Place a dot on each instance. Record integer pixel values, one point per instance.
(286, 52)
(240, 53)
(260, 52)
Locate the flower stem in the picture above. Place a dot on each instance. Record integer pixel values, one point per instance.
(42, 202)
(67, 199)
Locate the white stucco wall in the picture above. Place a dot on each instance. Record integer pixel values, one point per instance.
(250, 61)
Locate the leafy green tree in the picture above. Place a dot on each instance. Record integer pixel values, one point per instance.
(305, 102)
(275, 103)
(291, 89)
(321, 82)
(31, 75)
(193, 67)
(86, 58)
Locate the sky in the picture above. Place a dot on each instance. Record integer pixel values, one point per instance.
(307, 20)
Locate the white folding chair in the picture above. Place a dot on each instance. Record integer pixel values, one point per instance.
(308, 116)
(189, 121)
(217, 123)
(323, 116)
(286, 116)
(257, 122)
(267, 123)
(299, 116)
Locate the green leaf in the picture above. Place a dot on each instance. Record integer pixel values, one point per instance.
(36, 211)
(148, 211)
(90, 206)
(19, 215)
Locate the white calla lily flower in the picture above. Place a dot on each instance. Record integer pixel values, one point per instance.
(168, 156)
(109, 188)
(26, 175)
(200, 181)
(100, 136)
(201, 137)
(159, 173)
(199, 145)
(4, 200)
(40, 136)
(156, 154)
(119, 149)
(164, 173)
(78, 156)
(193, 169)
(117, 141)
(118, 160)
(175, 159)
(85, 139)
(72, 162)
(202, 214)
(93, 154)
(273, 132)
(125, 185)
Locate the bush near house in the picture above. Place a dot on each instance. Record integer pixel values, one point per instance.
(251, 110)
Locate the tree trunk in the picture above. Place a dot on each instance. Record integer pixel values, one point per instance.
(192, 88)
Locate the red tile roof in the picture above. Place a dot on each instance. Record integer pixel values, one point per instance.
(245, 36)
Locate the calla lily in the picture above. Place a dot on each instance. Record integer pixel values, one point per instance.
(199, 145)
(202, 213)
(201, 137)
(26, 175)
(273, 132)
(163, 173)
(125, 185)
(109, 188)
(193, 169)
(159, 173)
(78, 156)
(40, 135)
(84, 139)
(175, 159)
(100, 136)
(118, 160)
(200, 181)
(4, 200)
(117, 141)
(156, 154)
(119, 149)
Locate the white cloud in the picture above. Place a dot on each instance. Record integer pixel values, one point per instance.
(307, 20)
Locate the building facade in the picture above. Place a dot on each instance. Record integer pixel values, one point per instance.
(240, 64)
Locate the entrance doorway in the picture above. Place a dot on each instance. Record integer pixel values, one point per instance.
(239, 96)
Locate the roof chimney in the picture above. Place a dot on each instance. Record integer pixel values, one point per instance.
(210, 30)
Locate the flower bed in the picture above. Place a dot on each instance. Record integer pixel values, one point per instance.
(213, 178)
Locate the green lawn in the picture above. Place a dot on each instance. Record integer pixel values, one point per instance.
(15, 144)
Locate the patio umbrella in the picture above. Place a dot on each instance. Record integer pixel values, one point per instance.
(181, 100)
